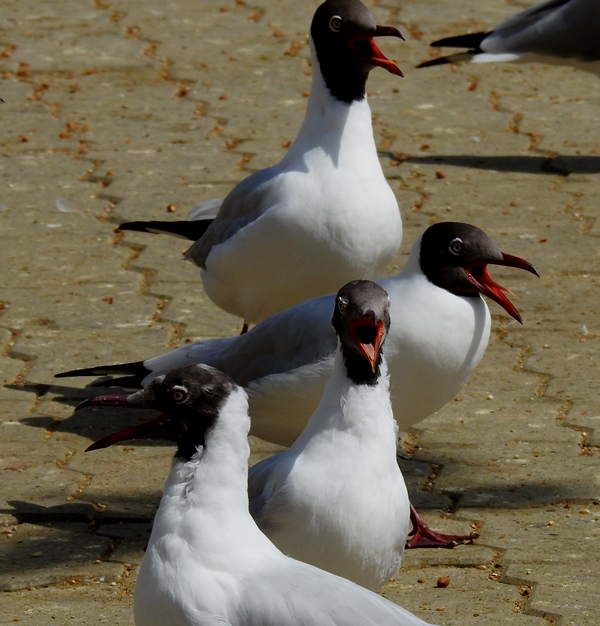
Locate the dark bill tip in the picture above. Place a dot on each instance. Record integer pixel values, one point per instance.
(388, 31)
(515, 261)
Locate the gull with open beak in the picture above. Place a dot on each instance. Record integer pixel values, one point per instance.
(336, 498)
(324, 214)
(207, 563)
(440, 330)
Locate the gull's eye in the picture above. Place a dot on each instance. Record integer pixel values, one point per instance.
(180, 394)
(342, 302)
(335, 23)
(456, 246)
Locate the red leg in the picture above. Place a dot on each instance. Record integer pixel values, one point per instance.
(422, 536)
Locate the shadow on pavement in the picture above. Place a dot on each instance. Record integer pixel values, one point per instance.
(556, 165)
(92, 422)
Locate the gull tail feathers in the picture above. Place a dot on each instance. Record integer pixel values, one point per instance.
(190, 230)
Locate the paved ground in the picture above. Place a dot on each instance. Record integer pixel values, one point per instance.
(119, 110)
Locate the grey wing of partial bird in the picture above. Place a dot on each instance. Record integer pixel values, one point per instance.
(560, 28)
(265, 481)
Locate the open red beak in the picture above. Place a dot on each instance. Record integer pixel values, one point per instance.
(374, 54)
(368, 334)
(147, 430)
(479, 275)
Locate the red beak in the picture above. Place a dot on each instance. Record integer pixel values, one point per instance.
(479, 276)
(374, 54)
(147, 430)
(369, 344)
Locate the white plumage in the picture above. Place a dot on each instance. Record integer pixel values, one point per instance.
(322, 216)
(336, 498)
(207, 563)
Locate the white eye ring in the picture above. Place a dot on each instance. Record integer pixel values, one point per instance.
(342, 302)
(335, 23)
(180, 394)
(456, 246)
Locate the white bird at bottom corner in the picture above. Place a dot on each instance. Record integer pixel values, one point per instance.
(207, 563)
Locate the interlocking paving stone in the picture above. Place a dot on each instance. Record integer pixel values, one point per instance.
(115, 111)
(50, 554)
(85, 604)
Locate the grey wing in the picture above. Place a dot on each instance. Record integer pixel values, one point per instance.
(301, 595)
(205, 351)
(297, 336)
(561, 28)
(245, 203)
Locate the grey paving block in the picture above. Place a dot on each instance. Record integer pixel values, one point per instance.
(471, 597)
(87, 604)
(131, 540)
(115, 111)
(41, 555)
(121, 481)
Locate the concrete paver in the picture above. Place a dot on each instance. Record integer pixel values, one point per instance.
(115, 111)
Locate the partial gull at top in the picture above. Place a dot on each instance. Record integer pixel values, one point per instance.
(557, 32)
(207, 563)
(324, 215)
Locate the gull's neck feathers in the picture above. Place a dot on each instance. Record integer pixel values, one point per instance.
(203, 538)
(346, 407)
(329, 122)
(210, 491)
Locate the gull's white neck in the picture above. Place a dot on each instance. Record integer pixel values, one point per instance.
(353, 408)
(205, 499)
(329, 123)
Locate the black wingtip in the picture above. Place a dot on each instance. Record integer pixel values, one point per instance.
(191, 230)
(472, 41)
(432, 62)
(135, 368)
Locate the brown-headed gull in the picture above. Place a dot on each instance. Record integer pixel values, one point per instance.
(557, 32)
(440, 330)
(336, 498)
(207, 563)
(441, 327)
(324, 215)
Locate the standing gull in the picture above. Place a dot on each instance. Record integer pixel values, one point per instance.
(440, 330)
(324, 214)
(557, 32)
(336, 498)
(207, 563)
